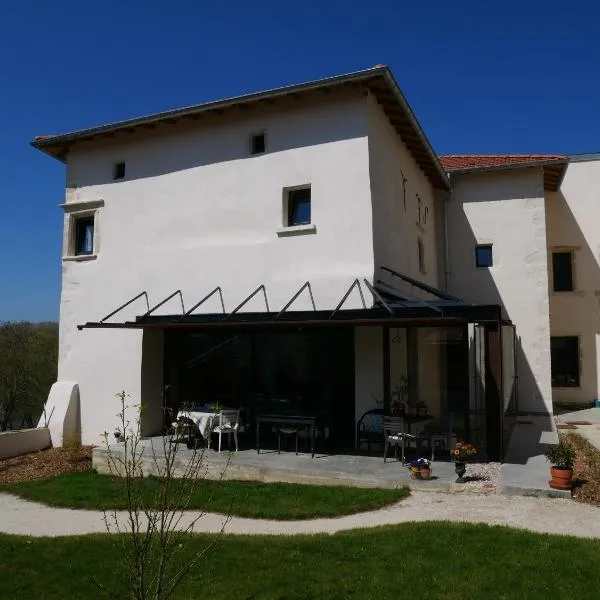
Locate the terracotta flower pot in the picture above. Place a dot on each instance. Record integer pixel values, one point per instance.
(425, 473)
(562, 479)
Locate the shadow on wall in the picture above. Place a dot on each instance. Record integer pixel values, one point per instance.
(211, 140)
(575, 313)
(485, 290)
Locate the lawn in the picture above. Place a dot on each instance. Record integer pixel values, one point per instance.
(283, 501)
(424, 560)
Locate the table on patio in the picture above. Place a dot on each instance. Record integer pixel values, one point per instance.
(308, 421)
(202, 418)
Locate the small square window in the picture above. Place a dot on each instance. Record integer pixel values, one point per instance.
(562, 271)
(421, 252)
(83, 236)
(483, 256)
(119, 170)
(298, 207)
(258, 143)
(564, 361)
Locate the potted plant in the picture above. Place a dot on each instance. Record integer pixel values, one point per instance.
(561, 459)
(419, 468)
(461, 452)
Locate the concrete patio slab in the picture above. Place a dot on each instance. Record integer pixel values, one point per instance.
(525, 470)
(589, 415)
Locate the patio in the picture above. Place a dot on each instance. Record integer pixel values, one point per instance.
(323, 469)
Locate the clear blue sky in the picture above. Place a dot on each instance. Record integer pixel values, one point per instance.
(482, 77)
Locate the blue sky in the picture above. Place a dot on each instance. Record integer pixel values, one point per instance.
(503, 77)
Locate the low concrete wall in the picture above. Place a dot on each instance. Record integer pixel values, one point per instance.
(22, 441)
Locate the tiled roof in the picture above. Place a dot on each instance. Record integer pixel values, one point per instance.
(458, 162)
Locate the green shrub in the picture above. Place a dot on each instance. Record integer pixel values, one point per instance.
(560, 456)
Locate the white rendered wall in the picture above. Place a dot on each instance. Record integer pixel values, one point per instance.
(572, 225)
(196, 211)
(399, 219)
(507, 210)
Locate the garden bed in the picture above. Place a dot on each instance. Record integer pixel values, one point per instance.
(45, 463)
(586, 469)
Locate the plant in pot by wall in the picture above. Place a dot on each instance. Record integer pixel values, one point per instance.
(461, 454)
(561, 459)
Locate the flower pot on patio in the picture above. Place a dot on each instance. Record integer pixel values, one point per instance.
(561, 458)
(415, 472)
(460, 468)
(562, 479)
(425, 473)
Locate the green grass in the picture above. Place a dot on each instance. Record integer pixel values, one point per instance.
(425, 560)
(283, 501)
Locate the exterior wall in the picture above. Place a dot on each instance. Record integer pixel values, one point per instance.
(572, 224)
(196, 211)
(507, 209)
(405, 207)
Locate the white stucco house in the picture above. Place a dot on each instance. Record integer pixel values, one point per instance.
(307, 243)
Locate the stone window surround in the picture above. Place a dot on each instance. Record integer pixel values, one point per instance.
(74, 211)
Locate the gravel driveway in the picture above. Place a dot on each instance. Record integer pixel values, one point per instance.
(547, 515)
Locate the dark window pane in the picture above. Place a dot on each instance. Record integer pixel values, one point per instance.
(119, 171)
(483, 256)
(299, 207)
(258, 143)
(562, 271)
(84, 236)
(564, 354)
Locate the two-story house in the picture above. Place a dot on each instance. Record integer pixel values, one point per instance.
(304, 245)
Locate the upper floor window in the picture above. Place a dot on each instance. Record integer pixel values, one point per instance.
(83, 235)
(562, 271)
(298, 207)
(483, 255)
(564, 361)
(258, 143)
(421, 252)
(119, 170)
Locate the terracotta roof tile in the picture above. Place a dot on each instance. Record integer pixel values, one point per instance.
(456, 162)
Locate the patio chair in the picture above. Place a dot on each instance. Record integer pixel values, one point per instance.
(395, 435)
(369, 428)
(228, 423)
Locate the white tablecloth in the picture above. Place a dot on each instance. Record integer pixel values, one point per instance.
(205, 421)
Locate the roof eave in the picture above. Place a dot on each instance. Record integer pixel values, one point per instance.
(57, 146)
(540, 163)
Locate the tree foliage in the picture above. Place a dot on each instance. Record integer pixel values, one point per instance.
(28, 368)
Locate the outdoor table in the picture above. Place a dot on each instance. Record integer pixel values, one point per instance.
(203, 420)
(308, 421)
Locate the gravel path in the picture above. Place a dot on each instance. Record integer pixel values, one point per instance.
(546, 515)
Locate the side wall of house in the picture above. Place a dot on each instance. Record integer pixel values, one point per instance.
(407, 211)
(507, 209)
(195, 211)
(572, 226)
